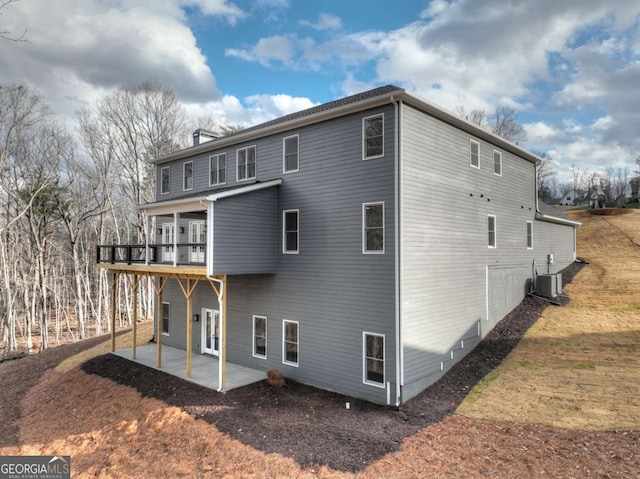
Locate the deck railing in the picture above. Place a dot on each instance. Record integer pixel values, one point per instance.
(187, 254)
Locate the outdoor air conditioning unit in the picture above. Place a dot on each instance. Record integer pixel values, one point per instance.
(549, 285)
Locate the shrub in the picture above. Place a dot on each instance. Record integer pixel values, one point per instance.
(275, 378)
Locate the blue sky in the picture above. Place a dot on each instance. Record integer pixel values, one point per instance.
(570, 68)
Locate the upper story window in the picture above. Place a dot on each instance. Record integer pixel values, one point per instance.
(165, 180)
(373, 228)
(497, 163)
(218, 169)
(474, 154)
(373, 137)
(290, 149)
(491, 231)
(246, 161)
(187, 173)
(290, 232)
(529, 234)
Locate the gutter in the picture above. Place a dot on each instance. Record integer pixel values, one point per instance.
(398, 257)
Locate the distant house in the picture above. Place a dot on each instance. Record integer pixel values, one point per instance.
(361, 246)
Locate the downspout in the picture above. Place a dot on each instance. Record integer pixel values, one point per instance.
(223, 344)
(397, 253)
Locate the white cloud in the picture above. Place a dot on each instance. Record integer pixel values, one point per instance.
(277, 48)
(79, 50)
(539, 132)
(325, 21)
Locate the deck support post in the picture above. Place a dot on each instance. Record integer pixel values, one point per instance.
(114, 286)
(188, 293)
(159, 287)
(134, 293)
(223, 335)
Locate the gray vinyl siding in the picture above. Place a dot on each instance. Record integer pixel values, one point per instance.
(445, 258)
(245, 233)
(333, 290)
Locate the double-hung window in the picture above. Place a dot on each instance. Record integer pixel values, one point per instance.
(290, 232)
(290, 342)
(373, 354)
(373, 137)
(260, 337)
(373, 228)
(218, 169)
(474, 153)
(165, 180)
(529, 235)
(491, 231)
(246, 163)
(497, 163)
(290, 153)
(187, 170)
(166, 315)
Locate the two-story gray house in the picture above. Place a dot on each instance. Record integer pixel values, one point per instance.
(361, 246)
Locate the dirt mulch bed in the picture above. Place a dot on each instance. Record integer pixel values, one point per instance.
(19, 373)
(313, 426)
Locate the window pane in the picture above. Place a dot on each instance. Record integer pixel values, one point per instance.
(475, 154)
(497, 163)
(373, 136)
(165, 317)
(375, 239)
(291, 342)
(374, 216)
(165, 180)
(188, 176)
(374, 358)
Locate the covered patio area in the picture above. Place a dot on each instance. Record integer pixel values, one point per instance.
(204, 368)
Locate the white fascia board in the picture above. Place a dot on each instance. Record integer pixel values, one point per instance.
(244, 189)
(459, 122)
(176, 206)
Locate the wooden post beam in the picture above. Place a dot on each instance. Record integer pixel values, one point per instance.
(159, 287)
(188, 293)
(114, 286)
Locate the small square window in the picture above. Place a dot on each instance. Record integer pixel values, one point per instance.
(373, 359)
(290, 342)
(497, 163)
(165, 180)
(290, 231)
(373, 137)
(491, 231)
(474, 154)
(290, 149)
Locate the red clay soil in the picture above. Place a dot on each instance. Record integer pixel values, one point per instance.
(314, 428)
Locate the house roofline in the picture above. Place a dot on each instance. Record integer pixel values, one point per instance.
(325, 112)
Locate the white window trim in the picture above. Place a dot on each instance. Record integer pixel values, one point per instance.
(162, 170)
(217, 157)
(284, 232)
(364, 228)
(381, 385)
(499, 153)
(284, 349)
(162, 319)
(253, 337)
(284, 157)
(184, 176)
(364, 139)
(495, 232)
(474, 142)
(529, 225)
(246, 148)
